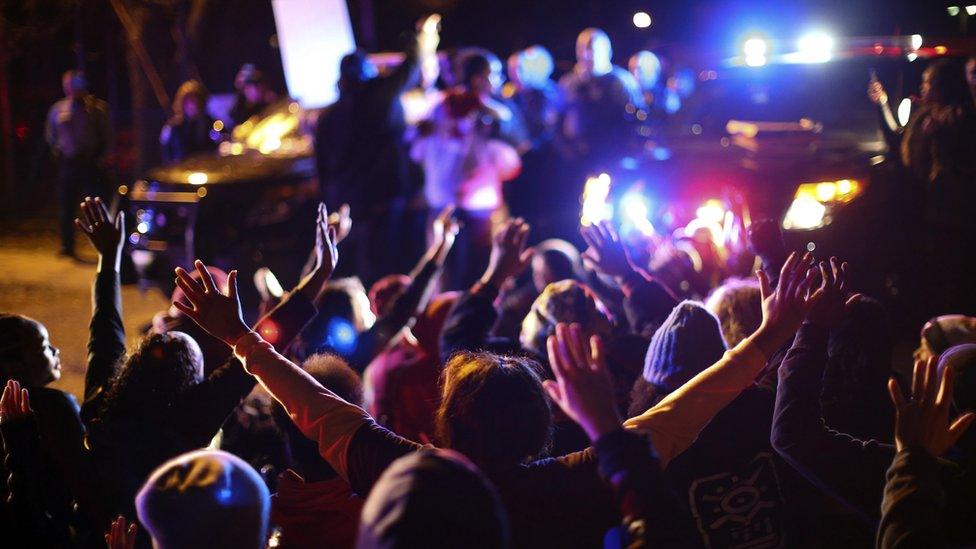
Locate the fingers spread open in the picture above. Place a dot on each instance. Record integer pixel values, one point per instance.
(897, 398)
(194, 291)
(205, 277)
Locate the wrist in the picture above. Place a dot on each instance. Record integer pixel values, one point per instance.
(235, 334)
(111, 260)
(597, 428)
(770, 339)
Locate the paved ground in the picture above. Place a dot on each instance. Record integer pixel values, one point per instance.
(57, 292)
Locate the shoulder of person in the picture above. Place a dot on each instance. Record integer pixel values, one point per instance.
(53, 401)
(96, 104)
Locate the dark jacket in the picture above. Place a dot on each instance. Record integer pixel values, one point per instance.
(125, 449)
(927, 503)
(851, 470)
(44, 473)
(360, 153)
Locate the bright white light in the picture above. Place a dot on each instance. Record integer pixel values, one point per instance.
(313, 35)
(634, 207)
(815, 47)
(143, 227)
(595, 206)
(953, 10)
(917, 38)
(642, 20)
(805, 213)
(755, 50)
(904, 111)
(711, 211)
(971, 10)
(197, 178)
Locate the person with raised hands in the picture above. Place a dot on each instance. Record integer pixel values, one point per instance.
(853, 470)
(469, 325)
(915, 511)
(647, 302)
(156, 403)
(400, 310)
(494, 410)
(583, 390)
(33, 511)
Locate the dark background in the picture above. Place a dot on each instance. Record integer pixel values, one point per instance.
(210, 39)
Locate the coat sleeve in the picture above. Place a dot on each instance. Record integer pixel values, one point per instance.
(106, 339)
(846, 468)
(470, 321)
(914, 502)
(675, 422)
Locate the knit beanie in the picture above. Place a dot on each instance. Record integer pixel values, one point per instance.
(433, 498)
(565, 301)
(689, 341)
(962, 360)
(205, 499)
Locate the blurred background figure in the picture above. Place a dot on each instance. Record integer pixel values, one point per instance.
(188, 131)
(646, 68)
(361, 155)
(465, 161)
(253, 94)
(601, 99)
(537, 98)
(79, 134)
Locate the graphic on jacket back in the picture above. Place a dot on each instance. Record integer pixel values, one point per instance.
(741, 509)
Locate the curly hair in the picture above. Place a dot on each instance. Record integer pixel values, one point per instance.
(738, 305)
(157, 371)
(493, 410)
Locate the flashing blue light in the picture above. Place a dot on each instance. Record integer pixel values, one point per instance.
(340, 335)
(628, 163)
(672, 102)
(661, 153)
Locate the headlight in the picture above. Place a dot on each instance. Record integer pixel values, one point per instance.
(813, 202)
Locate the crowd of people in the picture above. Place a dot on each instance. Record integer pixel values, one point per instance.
(421, 419)
(499, 394)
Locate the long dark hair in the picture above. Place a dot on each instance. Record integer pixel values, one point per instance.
(160, 368)
(493, 410)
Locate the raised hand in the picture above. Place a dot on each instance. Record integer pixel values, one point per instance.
(606, 253)
(876, 92)
(14, 403)
(120, 537)
(923, 421)
(428, 33)
(785, 307)
(341, 221)
(509, 256)
(325, 256)
(218, 314)
(583, 388)
(105, 234)
(830, 303)
(445, 230)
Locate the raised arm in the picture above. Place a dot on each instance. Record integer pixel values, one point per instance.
(421, 46)
(469, 323)
(647, 302)
(413, 300)
(202, 408)
(106, 340)
(914, 496)
(675, 422)
(584, 392)
(39, 520)
(849, 469)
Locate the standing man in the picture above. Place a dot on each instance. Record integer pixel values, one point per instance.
(361, 155)
(78, 133)
(601, 99)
